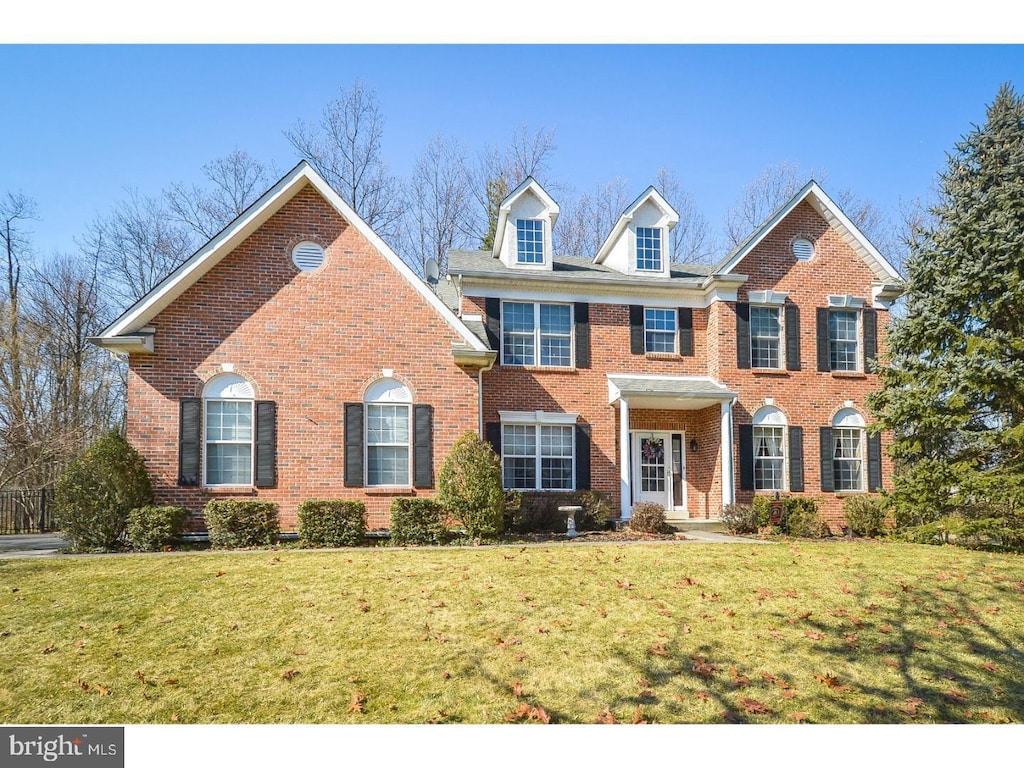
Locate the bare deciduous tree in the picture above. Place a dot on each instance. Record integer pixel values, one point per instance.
(345, 148)
(691, 239)
(137, 245)
(439, 208)
(235, 182)
(587, 220)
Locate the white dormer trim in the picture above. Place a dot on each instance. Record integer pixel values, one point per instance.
(516, 205)
(834, 216)
(619, 250)
(767, 297)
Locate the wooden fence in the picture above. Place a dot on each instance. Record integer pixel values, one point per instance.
(26, 511)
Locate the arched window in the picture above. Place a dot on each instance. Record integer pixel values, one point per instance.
(388, 433)
(228, 430)
(848, 437)
(769, 449)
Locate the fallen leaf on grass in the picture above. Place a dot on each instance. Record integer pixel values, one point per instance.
(891, 663)
(83, 685)
(740, 681)
(788, 693)
(754, 707)
(799, 717)
(658, 649)
(171, 681)
(624, 584)
(704, 669)
(912, 705)
(49, 649)
(830, 681)
(80, 643)
(364, 606)
(763, 594)
(638, 716)
(686, 581)
(174, 718)
(702, 695)
(289, 674)
(775, 634)
(990, 666)
(517, 689)
(955, 695)
(814, 635)
(647, 695)
(712, 597)
(606, 717)
(356, 705)
(524, 713)
(102, 690)
(446, 675)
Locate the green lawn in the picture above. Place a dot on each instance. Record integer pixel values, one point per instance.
(666, 633)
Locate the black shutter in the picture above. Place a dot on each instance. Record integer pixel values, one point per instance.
(870, 322)
(828, 479)
(796, 459)
(637, 345)
(746, 457)
(492, 434)
(582, 457)
(492, 310)
(354, 445)
(792, 337)
(266, 444)
(686, 332)
(742, 335)
(423, 446)
(822, 330)
(581, 316)
(188, 441)
(874, 463)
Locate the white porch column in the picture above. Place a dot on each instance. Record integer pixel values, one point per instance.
(624, 494)
(728, 495)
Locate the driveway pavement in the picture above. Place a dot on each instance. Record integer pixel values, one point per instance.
(31, 544)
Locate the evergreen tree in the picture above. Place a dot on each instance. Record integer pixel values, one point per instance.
(954, 394)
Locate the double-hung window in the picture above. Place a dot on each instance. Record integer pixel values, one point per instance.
(529, 241)
(228, 430)
(843, 351)
(537, 456)
(536, 334)
(848, 438)
(387, 444)
(768, 458)
(765, 337)
(648, 249)
(660, 330)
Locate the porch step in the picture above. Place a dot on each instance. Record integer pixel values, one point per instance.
(716, 526)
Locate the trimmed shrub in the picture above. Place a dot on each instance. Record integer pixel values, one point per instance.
(648, 518)
(332, 523)
(866, 515)
(596, 511)
(469, 487)
(800, 518)
(418, 521)
(740, 519)
(763, 511)
(97, 491)
(235, 523)
(150, 529)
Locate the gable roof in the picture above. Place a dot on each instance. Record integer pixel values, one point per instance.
(124, 333)
(648, 195)
(529, 184)
(834, 217)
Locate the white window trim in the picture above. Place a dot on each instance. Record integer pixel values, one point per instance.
(845, 301)
(537, 334)
(675, 334)
(660, 269)
(539, 419)
(782, 334)
(770, 416)
(543, 242)
(767, 297)
(229, 387)
(858, 336)
(387, 392)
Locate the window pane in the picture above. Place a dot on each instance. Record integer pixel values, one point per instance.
(768, 459)
(518, 339)
(555, 318)
(847, 464)
(556, 474)
(228, 420)
(556, 350)
(842, 340)
(529, 241)
(556, 441)
(648, 248)
(387, 465)
(765, 335)
(519, 440)
(660, 330)
(228, 464)
(520, 473)
(387, 424)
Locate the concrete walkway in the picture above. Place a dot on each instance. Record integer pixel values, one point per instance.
(31, 544)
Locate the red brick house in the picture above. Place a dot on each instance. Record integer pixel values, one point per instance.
(297, 356)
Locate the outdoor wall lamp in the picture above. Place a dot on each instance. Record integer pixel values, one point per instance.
(693, 445)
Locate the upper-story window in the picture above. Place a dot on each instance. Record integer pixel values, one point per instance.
(843, 347)
(536, 334)
(660, 330)
(529, 241)
(648, 249)
(765, 337)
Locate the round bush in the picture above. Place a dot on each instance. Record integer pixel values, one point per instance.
(469, 487)
(97, 491)
(648, 518)
(150, 529)
(865, 515)
(740, 519)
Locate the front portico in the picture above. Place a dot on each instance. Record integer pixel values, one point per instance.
(675, 443)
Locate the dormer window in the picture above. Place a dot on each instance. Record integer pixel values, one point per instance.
(529, 241)
(648, 249)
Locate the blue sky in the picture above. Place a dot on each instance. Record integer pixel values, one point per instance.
(84, 123)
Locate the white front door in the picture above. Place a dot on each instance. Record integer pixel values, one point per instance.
(652, 456)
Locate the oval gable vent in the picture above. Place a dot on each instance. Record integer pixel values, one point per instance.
(803, 250)
(308, 256)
